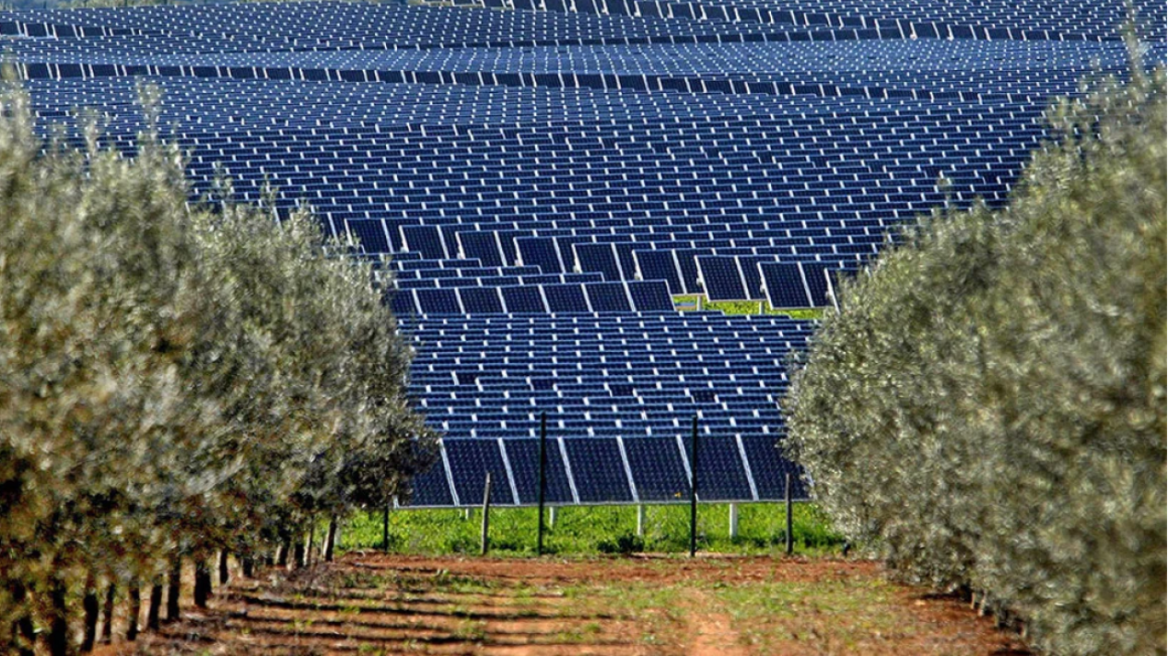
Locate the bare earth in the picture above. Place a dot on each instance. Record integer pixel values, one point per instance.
(377, 604)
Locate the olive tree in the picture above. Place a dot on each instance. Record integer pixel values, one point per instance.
(987, 410)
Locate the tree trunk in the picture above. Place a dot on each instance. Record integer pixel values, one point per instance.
(298, 555)
(23, 633)
(282, 554)
(173, 588)
(311, 542)
(107, 615)
(154, 611)
(330, 539)
(248, 567)
(224, 575)
(202, 582)
(59, 621)
(135, 594)
(92, 607)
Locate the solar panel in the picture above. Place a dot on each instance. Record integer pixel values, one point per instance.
(425, 240)
(650, 296)
(599, 257)
(658, 470)
(523, 299)
(815, 274)
(784, 285)
(608, 297)
(438, 301)
(659, 265)
(769, 469)
(431, 487)
(403, 303)
(470, 460)
(721, 278)
(370, 234)
(481, 299)
(721, 473)
(565, 298)
(484, 246)
(542, 252)
(524, 457)
(598, 470)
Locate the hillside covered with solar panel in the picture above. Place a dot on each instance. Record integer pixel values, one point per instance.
(541, 180)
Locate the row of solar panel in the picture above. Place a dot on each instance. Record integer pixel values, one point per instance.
(606, 470)
(329, 21)
(34, 70)
(496, 250)
(320, 105)
(1062, 18)
(635, 296)
(602, 374)
(635, 17)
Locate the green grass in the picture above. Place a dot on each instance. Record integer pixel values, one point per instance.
(590, 530)
(698, 302)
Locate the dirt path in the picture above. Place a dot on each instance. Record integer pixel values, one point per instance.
(711, 631)
(376, 604)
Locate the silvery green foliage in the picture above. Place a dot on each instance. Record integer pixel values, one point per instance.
(174, 378)
(988, 410)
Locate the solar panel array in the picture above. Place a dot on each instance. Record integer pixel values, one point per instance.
(547, 177)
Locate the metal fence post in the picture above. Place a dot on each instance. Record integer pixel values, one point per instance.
(790, 536)
(542, 479)
(693, 490)
(485, 542)
(385, 527)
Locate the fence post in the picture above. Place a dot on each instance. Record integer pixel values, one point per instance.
(542, 479)
(486, 514)
(385, 527)
(733, 521)
(693, 490)
(640, 520)
(790, 536)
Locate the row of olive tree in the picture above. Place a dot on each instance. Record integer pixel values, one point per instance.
(177, 381)
(988, 408)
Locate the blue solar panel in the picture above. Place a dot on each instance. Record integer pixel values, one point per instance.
(659, 265)
(523, 299)
(608, 297)
(370, 235)
(425, 240)
(470, 460)
(482, 245)
(524, 457)
(599, 257)
(650, 296)
(438, 301)
(403, 303)
(431, 488)
(481, 299)
(721, 474)
(722, 279)
(658, 470)
(816, 276)
(542, 252)
(598, 470)
(565, 298)
(769, 469)
(784, 285)
(753, 277)
(687, 263)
